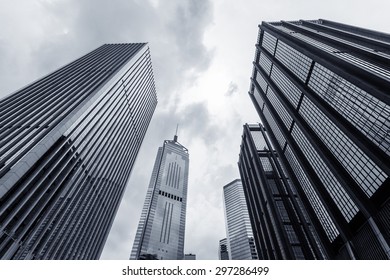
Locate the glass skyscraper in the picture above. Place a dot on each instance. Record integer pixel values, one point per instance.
(321, 89)
(161, 229)
(68, 142)
(280, 225)
(240, 243)
(223, 253)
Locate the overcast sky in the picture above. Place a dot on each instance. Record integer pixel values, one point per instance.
(202, 53)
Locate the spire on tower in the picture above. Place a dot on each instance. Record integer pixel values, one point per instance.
(175, 137)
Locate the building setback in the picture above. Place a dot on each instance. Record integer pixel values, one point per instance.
(280, 226)
(161, 229)
(240, 243)
(223, 252)
(68, 142)
(321, 89)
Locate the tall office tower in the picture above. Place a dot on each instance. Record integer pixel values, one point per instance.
(68, 142)
(161, 229)
(280, 226)
(239, 234)
(321, 89)
(223, 252)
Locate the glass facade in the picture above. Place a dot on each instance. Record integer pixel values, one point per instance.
(281, 227)
(321, 91)
(223, 252)
(238, 227)
(161, 229)
(68, 144)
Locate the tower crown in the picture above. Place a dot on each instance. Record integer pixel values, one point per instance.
(175, 136)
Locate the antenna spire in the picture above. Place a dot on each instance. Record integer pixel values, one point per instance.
(175, 137)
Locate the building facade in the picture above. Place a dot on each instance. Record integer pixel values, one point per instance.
(280, 225)
(223, 253)
(321, 89)
(68, 142)
(240, 243)
(161, 229)
(190, 257)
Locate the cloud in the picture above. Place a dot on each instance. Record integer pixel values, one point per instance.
(68, 29)
(233, 88)
(196, 120)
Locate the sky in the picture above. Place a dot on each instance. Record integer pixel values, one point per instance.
(202, 53)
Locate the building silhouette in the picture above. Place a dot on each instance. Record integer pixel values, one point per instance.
(240, 243)
(190, 257)
(321, 89)
(68, 142)
(161, 227)
(223, 253)
(280, 225)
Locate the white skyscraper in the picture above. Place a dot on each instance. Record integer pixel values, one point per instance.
(238, 227)
(160, 233)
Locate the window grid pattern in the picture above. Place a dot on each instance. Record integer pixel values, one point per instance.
(343, 55)
(258, 97)
(286, 86)
(272, 185)
(282, 211)
(338, 194)
(266, 164)
(298, 63)
(282, 112)
(285, 29)
(365, 172)
(269, 42)
(260, 80)
(365, 65)
(298, 253)
(258, 139)
(292, 236)
(265, 63)
(370, 115)
(315, 43)
(277, 232)
(323, 216)
(282, 167)
(274, 127)
(349, 41)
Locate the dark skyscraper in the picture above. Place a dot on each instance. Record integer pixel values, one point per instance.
(68, 142)
(280, 226)
(161, 229)
(321, 89)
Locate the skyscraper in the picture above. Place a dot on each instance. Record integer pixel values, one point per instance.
(223, 252)
(68, 142)
(321, 89)
(280, 225)
(239, 234)
(161, 229)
